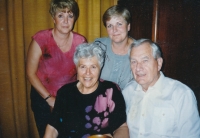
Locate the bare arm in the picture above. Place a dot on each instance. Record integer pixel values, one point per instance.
(33, 57)
(50, 132)
(122, 132)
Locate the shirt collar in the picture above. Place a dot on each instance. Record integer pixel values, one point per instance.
(156, 86)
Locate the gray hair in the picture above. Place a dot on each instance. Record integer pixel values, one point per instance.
(156, 52)
(88, 50)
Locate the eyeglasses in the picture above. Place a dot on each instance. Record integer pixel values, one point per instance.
(104, 47)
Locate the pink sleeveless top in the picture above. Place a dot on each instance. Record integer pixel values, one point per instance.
(55, 67)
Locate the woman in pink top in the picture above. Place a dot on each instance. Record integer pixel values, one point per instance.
(50, 59)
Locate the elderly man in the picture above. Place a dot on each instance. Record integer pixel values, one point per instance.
(158, 106)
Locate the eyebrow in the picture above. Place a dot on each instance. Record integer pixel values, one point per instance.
(65, 11)
(145, 57)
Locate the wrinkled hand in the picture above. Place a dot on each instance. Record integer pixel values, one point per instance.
(110, 136)
(51, 102)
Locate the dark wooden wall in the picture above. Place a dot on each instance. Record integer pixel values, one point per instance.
(178, 34)
(142, 15)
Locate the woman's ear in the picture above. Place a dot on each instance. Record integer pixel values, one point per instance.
(53, 20)
(129, 27)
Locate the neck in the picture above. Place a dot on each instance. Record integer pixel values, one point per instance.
(61, 40)
(121, 48)
(146, 87)
(59, 35)
(85, 90)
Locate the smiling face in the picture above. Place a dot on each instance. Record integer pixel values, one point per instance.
(88, 70)
(117, 29)
(145, 67)
(64, 21)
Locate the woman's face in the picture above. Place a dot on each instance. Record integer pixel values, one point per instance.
(64, 21)
(88, 70)
(117, 29)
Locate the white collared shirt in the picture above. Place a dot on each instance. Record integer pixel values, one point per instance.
(166, 110)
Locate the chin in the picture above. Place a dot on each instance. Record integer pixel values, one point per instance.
(117, 40)
(86, 85)
(141, 82)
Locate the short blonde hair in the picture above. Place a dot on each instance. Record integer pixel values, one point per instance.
(116, 10)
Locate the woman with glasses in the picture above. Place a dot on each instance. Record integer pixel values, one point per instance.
(88, 106)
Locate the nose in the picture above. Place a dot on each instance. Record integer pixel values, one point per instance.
(65, 19)
(114, 28)
(139, 66)
(87, 71)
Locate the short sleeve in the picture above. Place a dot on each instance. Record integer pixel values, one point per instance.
(42, 37)
(79, 39)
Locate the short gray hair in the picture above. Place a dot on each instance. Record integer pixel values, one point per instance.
(88, 50)
(156, 52)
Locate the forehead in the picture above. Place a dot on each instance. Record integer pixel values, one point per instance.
(115, 19)
(90, 60)
(143, 50)
(65, 10)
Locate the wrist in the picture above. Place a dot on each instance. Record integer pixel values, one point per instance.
(47, 97)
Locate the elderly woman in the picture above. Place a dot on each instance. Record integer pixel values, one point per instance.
(117, 68)
(50, 59)
(88, 106)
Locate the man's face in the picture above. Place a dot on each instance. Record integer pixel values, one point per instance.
(145, 67)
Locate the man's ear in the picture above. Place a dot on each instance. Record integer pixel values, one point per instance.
(160, 62)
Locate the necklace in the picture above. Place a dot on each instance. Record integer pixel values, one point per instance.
(121, 51)
(60, 45)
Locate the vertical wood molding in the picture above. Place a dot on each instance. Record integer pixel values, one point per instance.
(155, 20)
(115, 2)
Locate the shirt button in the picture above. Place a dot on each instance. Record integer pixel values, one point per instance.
(132, 115)
(140, 133)
(143, 115)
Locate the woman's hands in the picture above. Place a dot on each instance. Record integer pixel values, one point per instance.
(109, 135)
(50, 132)
(122, 132)
(51, 102)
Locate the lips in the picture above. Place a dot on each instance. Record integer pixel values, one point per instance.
(87, 78)
(140, 75)
(116, 35)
